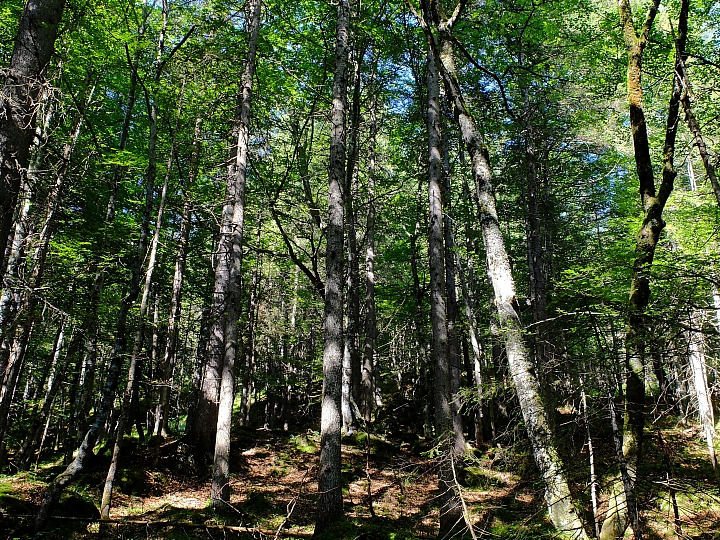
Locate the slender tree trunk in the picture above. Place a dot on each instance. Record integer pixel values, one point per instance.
(31, 444)
(220, 489)
(249, 348)
(353, 274)
(477, 353)
(422, 346)
(11, 298)
(454, 355)
(115, 362)
(623, 507)
(128, 412)
(696, 354)
(692, 122)
(168, 363)
(368, 379)
(557, 493)
(91, 324)
(450, 509)
(24, 81)
(330, 503)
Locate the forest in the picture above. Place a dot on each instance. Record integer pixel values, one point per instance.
(359, 269)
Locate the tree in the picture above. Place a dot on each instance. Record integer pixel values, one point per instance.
(24, 81)
(330, 504)
(639, 330)
(563, 514)
(237, 173)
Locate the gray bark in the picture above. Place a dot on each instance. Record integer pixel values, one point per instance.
(24, 82)
(31, 444)
(220, 489)
(330, 503)
(168, 362)
(450, 509)
(696, 354)
(557, 493)
(452, 311)
(368, 379)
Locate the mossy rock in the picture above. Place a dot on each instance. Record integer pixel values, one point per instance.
(479, 477)
(14, 505)
(132, 482)
(304, 444)
(378, 446)
(75, 506)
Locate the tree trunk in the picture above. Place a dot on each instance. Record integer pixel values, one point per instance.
(31, 444)
(450, 509)
(696, 354)
(353, 274)
(91, 325)
(692, 122)
(330, 503)
(220, 489)
(24, 82)
(454, 355)
(557, 493)
(127, 414)
(368, 379)
(53, 492)
(168, 363)
(477, 353)
(623, 507)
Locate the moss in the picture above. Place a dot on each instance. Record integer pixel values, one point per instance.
(72, 505)
(481, 478)
(302, 443)
(378, 446)
(132, 482)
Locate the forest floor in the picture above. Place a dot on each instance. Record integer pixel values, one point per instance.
(273, 493)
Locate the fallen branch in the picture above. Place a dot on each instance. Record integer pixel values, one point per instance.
(233, 528)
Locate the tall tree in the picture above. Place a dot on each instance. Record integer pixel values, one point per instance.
(237, 173)
(330, 503)
(623, 502)
(450, 509)
(438, 29)
(24, 81)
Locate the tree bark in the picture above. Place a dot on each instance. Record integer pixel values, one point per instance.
(168, 362)
(450, 509)
(220, 488)
(54, 491)
(692, 122)
(330, 503)
(623, 507)
(31, 444)
(452, 311)
(557, 493)
(696, 354)
(24, 81)
(368, 379)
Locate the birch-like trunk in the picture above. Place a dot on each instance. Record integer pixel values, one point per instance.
(696, 356)
(237, 172)
(32, 443)
(368, 379)
(561, 509)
